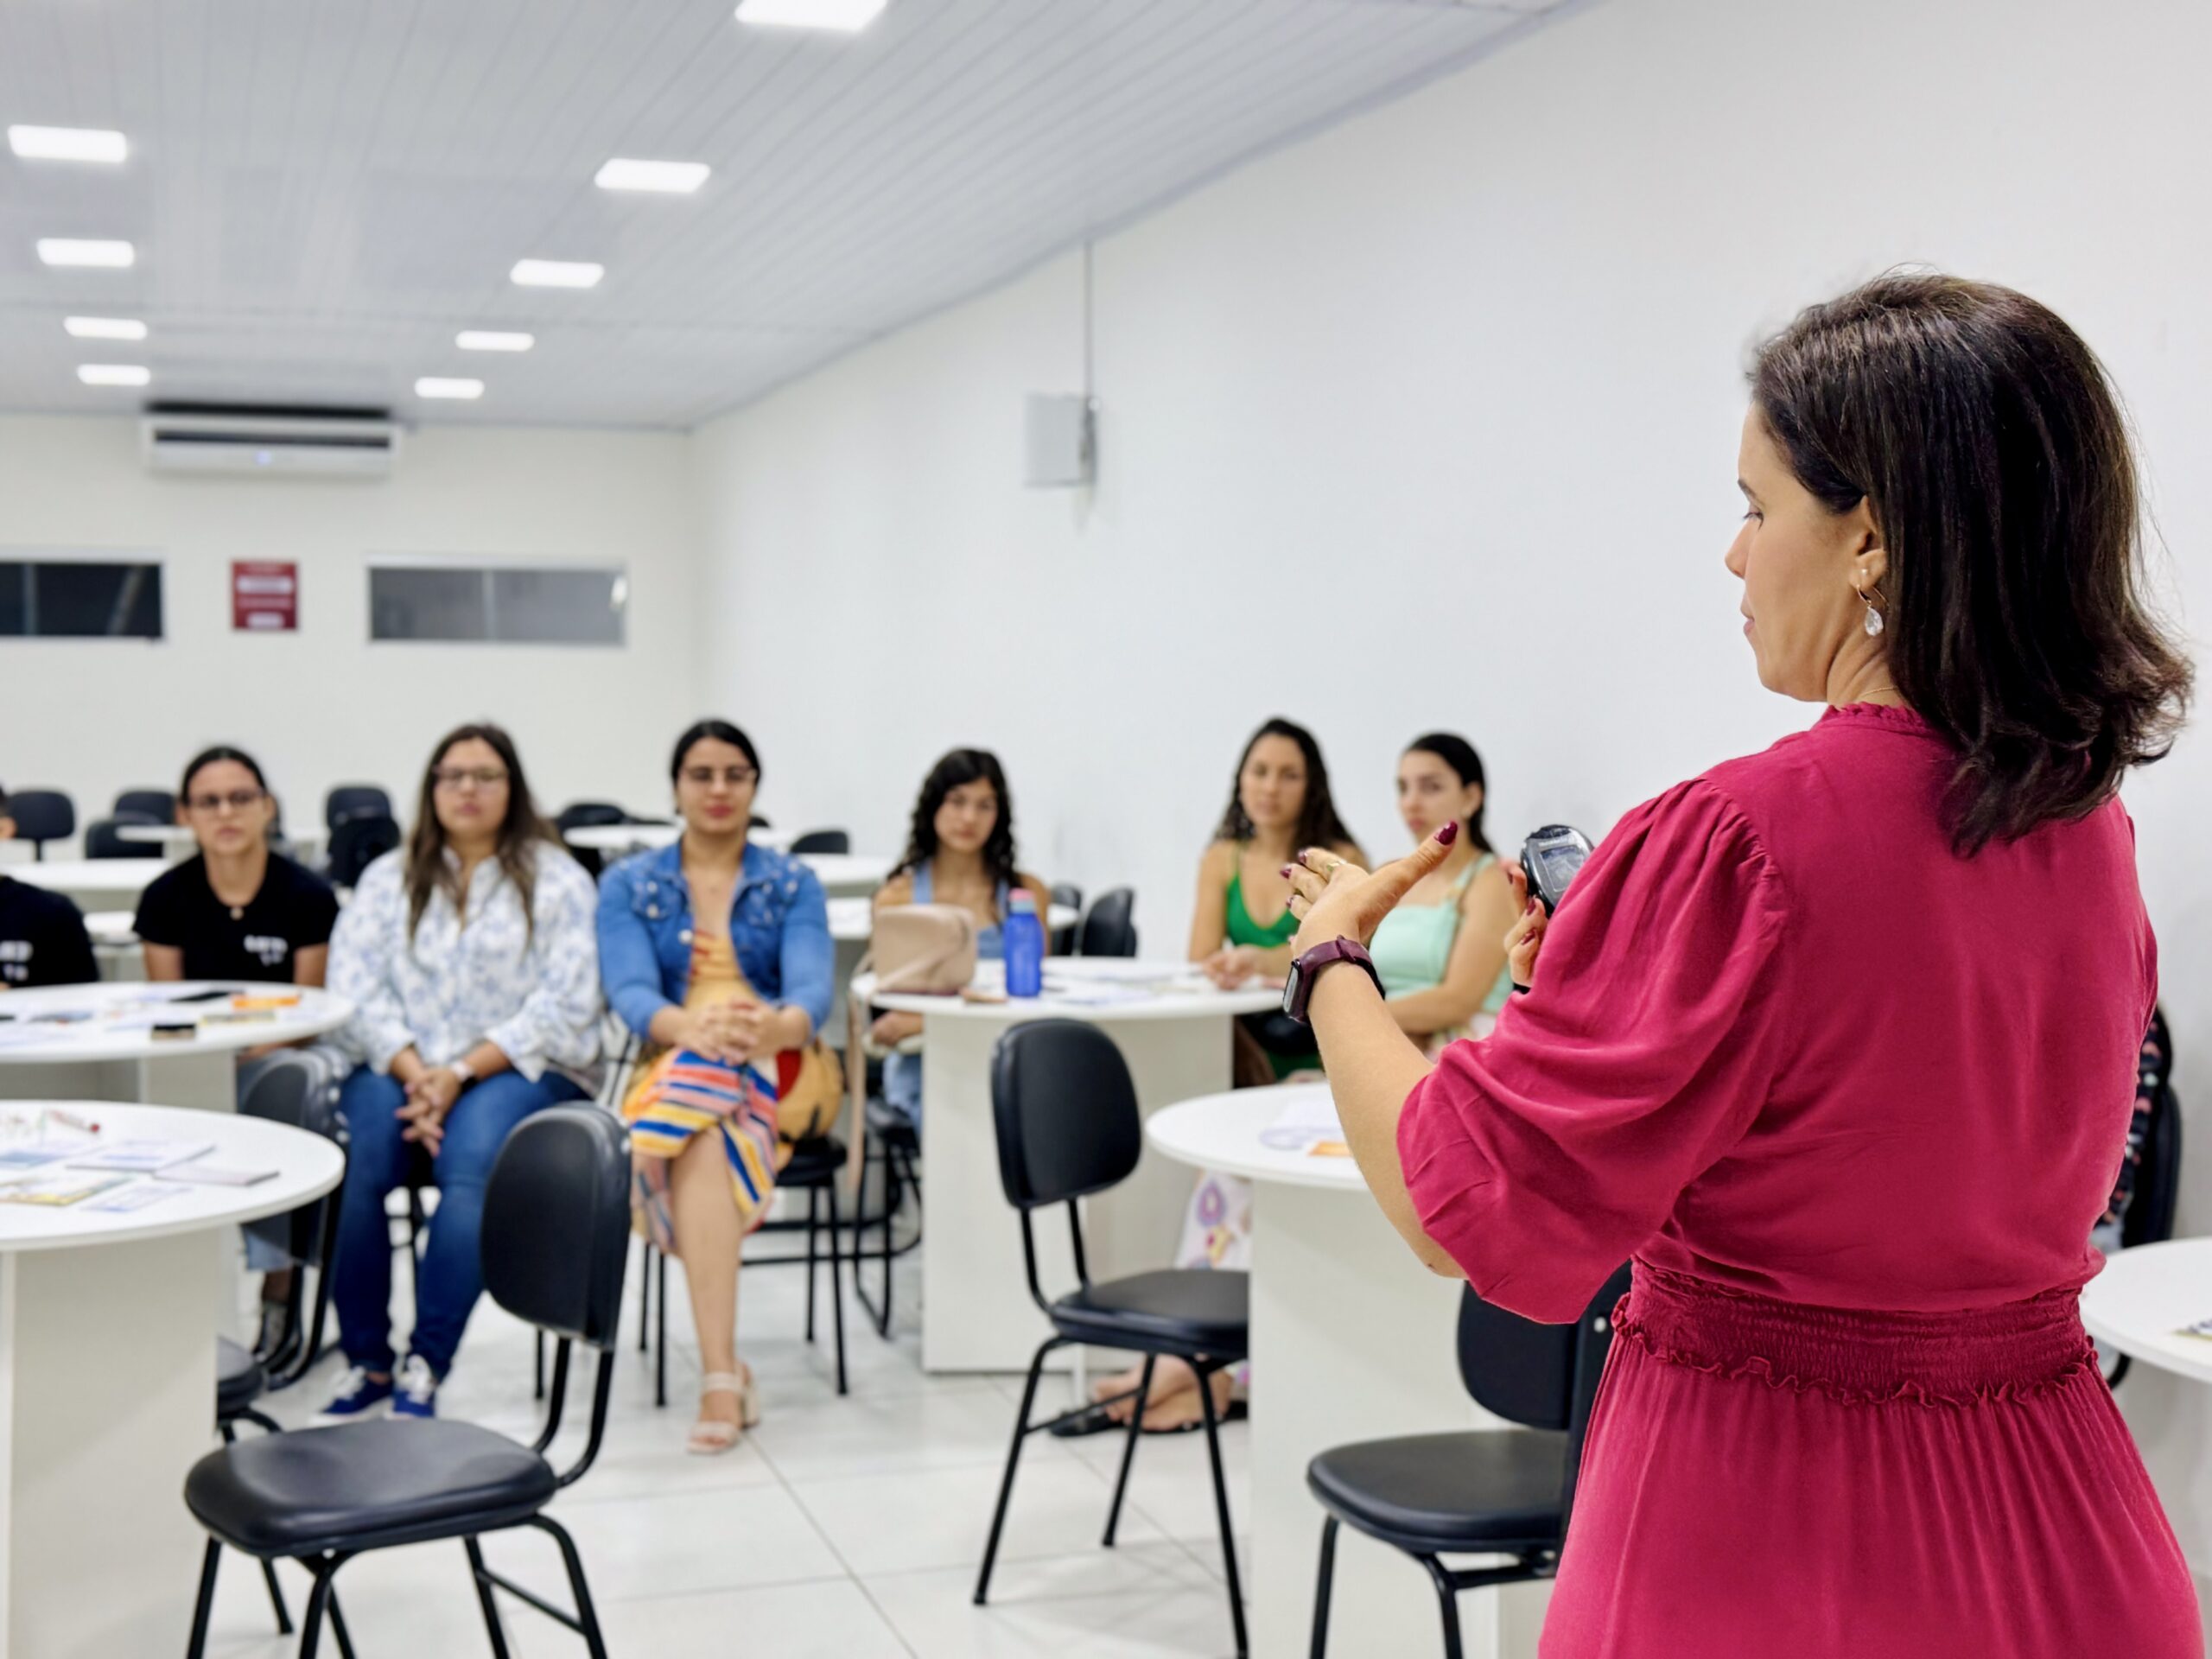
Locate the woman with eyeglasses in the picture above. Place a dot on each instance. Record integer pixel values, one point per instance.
(237, 909)
(470, 959)
(716, 954)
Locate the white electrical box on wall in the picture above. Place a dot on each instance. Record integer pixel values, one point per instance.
(1062, 450)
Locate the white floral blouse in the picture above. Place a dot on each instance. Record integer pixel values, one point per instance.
(533, 992)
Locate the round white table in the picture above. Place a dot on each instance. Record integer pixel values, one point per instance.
(617, 839)
(2143, 1297)
(89, 1042)
(852, 920)
(1171, 1027)
(107, 1368)
(1352, 1339)
(92, 883)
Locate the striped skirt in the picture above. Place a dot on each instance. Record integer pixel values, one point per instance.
(682, 1095)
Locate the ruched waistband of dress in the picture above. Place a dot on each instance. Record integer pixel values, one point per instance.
(1970, 1356)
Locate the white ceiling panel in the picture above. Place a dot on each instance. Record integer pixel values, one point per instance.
(322, 194)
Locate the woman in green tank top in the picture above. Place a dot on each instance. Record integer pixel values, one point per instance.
(1442, 954)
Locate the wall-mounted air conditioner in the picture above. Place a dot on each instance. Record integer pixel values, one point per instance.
(280, 442)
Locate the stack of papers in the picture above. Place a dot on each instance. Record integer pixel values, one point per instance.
(64, 1188)
(142, 1155)
(1309, 1125)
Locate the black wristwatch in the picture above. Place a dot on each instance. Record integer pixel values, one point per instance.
(1298, 989)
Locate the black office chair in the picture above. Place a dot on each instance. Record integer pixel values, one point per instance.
(356, 843)
(893, 1145)
(581, 815)
(557, 1223)
(240, 1381)
(823, 841)
(103, 838)
(156, 804)
(299, 1087)
(2149, 1187)
(1066, 1113)
(1505, 1492)
(1064, 940)
(41, 816)
(353, 801)
(1109, 929)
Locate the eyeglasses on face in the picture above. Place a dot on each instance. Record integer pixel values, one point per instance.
(708, 777)
(237, 800)
(462, 777)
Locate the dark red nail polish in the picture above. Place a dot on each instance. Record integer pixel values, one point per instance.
(1285, 872)
(1448, 834)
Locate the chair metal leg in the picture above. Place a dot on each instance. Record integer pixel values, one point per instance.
(201, 1608)
(644, 1294)
(537, 1369)
(1013, 1459)
(587, 1615)
(484, 1599)
(276, 1598)
(1221, 1508)
(837, 1283)
(1130, 1449)
(318, 1601)
(1324, 1582)
(813, 1211)
(660, 1329)
(1448, 1597)
(338, 1627)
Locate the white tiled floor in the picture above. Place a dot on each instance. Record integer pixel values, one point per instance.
(839, 1529)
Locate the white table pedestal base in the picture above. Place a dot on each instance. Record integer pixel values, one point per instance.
(977, 1313)
(107, 1398)
(1352, 1339)
(204, 1077)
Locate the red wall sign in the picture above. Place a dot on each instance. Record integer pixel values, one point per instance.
(264, 595)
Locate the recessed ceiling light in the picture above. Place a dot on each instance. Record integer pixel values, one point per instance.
(67, 144)
(557, 273)
(114, 374)
(491, 340)
(669, 178)
(846, 17)
(432, 387)
(104, 327)
(65, 250)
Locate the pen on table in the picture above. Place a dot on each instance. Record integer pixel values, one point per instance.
(82, 1125)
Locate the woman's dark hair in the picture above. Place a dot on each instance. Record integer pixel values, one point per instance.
(1318, 823)
(722, 732)
(1458, 753)
(1988, 444)
(207, 757)
(520, 832)
(957, 767)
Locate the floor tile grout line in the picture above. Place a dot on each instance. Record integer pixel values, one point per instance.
(858, 1583)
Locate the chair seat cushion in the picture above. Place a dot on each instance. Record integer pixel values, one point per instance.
(1179, 1311)
(813, 1161)
(1466, 1491)
(366, 1485)
(239, 1379)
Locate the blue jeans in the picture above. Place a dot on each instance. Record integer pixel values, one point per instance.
(451, 1277)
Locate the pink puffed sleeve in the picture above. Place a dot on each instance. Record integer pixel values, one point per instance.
(1542, 1156)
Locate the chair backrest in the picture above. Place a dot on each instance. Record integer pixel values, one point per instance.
(1066, 1113)
(579, 814)
(2149, 1217)
(156, 804)
(358, 842)
(103, 838)
(823, 841)
(1110, 930)
(557, 1223)
(43, 815)
(352, 800)
(1064, 940)
(297, 1088)
(1539, 1376)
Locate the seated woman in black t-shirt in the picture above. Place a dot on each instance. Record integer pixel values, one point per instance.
(237, 911)
(43, 939)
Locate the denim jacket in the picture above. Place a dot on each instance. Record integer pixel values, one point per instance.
(778, 928)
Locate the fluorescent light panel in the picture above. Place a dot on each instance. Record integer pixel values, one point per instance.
(433, 386)
(67, 144)
(668, 178)
(104, 327)
(845, 17)
(491, 340)
(69, 250)
(557, 273)
(114, 374)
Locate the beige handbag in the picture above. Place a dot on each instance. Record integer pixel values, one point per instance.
(916, 951)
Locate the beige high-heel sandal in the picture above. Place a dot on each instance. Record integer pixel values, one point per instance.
(708, 1438)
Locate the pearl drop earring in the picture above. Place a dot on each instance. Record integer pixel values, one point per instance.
(1874, 624)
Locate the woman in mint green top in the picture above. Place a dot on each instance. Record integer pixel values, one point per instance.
(1442, 954)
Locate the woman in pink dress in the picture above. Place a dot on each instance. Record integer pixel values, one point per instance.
(1838, 1043)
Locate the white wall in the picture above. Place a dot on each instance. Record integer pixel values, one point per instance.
(1432, 421)
(324, 705)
